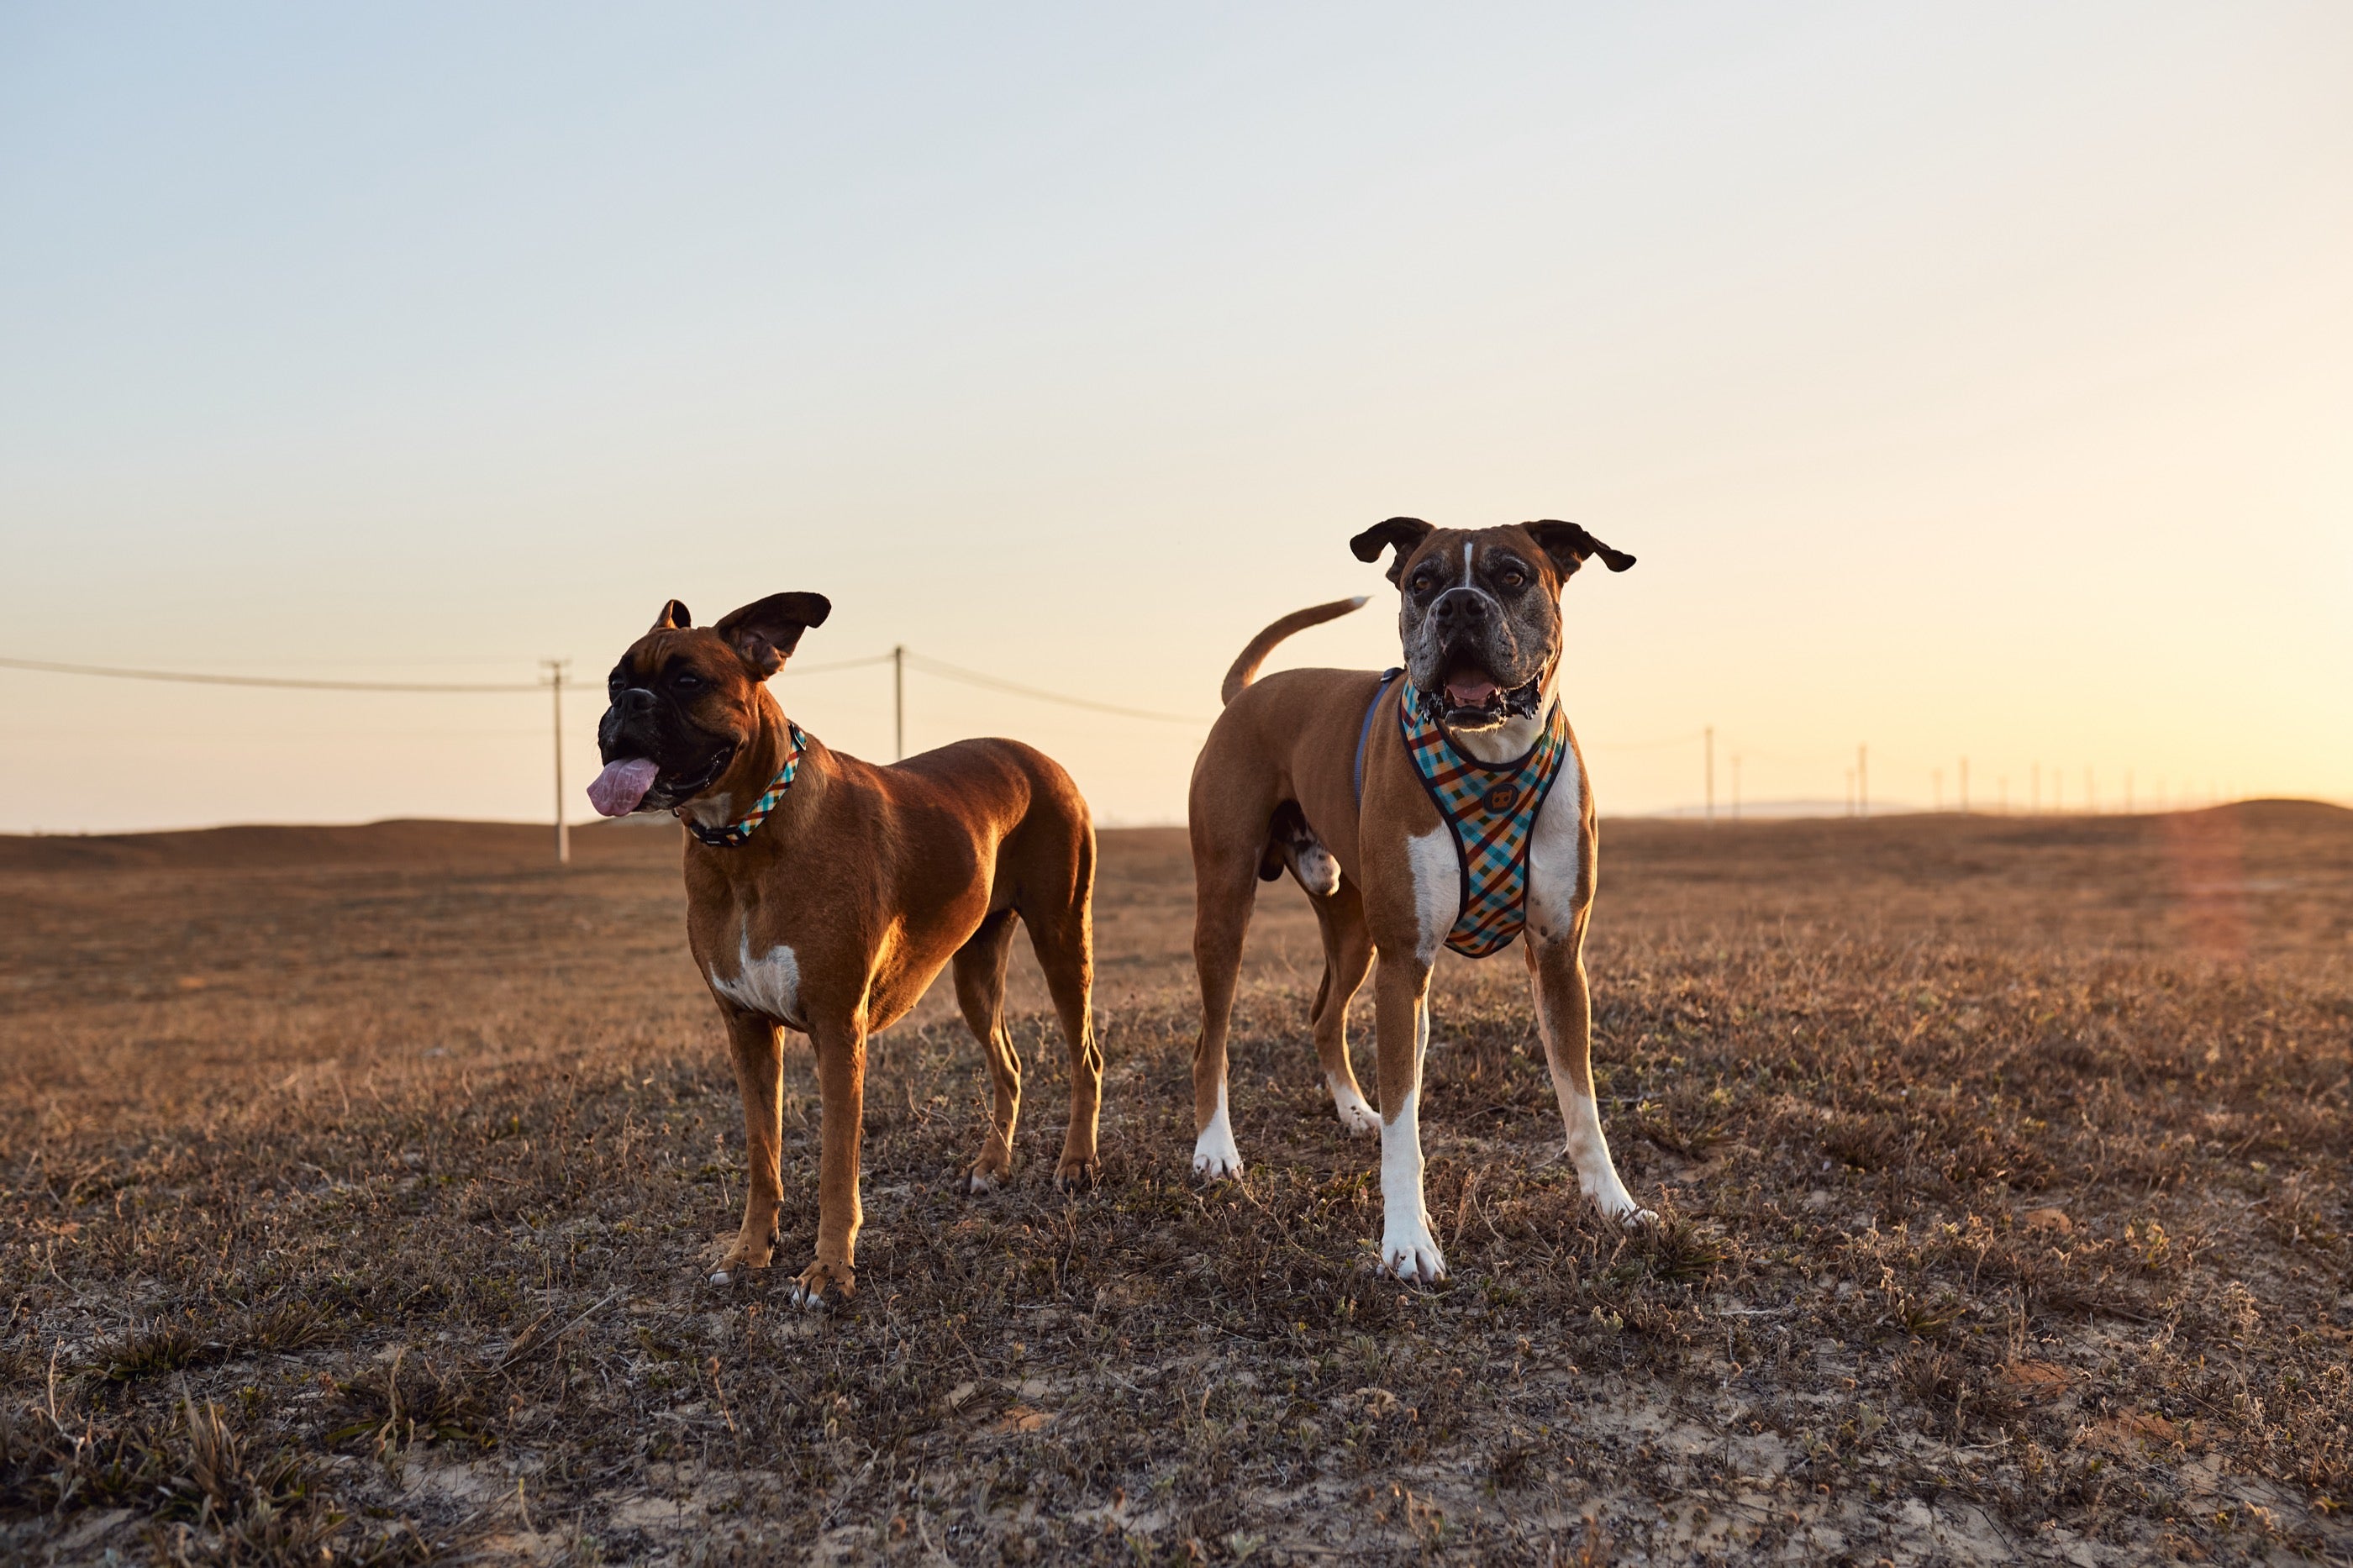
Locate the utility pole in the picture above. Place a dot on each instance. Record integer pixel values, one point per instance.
(1710, 734)
(1862, 782)
(555, 668)
(899, 700)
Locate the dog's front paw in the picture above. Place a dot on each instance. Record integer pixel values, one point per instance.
(1633, 1219)
(810, 1289)
(1214, 1158)
(1077, 1172)
(1412, 1256)
(741, 1258)
(990, 1171)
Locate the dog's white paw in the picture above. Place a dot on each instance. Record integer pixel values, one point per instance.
(1632, 1218)
(1412, 1256)
(980, 1182)
(1214, 1158)
(721, 1277)
(810, 1288)
(1356, 1114)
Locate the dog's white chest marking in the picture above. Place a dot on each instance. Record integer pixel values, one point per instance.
(1555, 848)
(1437, 886)
(769, 985)
(710, 810)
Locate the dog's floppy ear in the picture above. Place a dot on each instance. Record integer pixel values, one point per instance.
(674, 617)
(764, 632)
(1569, 545)
(1405, 532)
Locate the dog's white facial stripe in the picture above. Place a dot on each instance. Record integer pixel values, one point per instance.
(770, 986)
(1469, 547)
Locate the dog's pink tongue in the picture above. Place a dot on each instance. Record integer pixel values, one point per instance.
(616, 791)
(1470, 693)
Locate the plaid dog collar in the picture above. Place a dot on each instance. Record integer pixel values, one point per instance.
(741, 829)
(1492, 810)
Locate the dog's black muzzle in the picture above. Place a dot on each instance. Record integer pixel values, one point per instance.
(637, 725)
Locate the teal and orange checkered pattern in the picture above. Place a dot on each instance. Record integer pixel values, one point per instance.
(1492, 810)
(737, 831)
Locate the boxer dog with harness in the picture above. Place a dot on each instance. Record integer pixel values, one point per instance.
(824, 894)
(1444, 803)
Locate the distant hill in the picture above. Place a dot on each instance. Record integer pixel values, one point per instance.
(405, 841)
(428, 843)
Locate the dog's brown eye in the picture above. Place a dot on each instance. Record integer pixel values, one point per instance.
(686, 682)
(1511, 577)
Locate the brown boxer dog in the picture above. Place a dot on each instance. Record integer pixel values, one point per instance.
(825, 894)
(1308, 771)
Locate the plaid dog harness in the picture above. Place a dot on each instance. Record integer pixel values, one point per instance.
(1492, 807)
(739, 830)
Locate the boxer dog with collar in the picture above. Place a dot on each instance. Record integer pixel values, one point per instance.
(824, 894)
(1442, 804)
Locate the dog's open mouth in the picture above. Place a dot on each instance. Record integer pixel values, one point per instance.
(635, 784)
(1471, 698)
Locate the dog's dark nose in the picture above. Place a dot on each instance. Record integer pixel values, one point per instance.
(633, 702)
(1460, 609)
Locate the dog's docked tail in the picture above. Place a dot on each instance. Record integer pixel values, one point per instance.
(1245, 669)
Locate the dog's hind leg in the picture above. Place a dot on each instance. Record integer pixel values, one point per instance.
(1063, 936)
(979, 967)
(1347, 955)
(1225, 886)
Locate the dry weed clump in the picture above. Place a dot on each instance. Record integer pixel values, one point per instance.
(1990, 1235)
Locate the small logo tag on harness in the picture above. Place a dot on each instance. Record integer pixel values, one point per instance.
(1491, 811)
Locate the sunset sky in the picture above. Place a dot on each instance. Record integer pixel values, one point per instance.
(1971, 380)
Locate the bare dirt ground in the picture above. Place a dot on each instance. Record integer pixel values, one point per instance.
(360, 1189)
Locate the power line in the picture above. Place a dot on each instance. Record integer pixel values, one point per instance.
(975, 678)
(190, 677)
(837, 664)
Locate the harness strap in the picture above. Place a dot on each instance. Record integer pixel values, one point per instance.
(1365, 736)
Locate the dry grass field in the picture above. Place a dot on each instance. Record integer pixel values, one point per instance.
(361, 1184)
